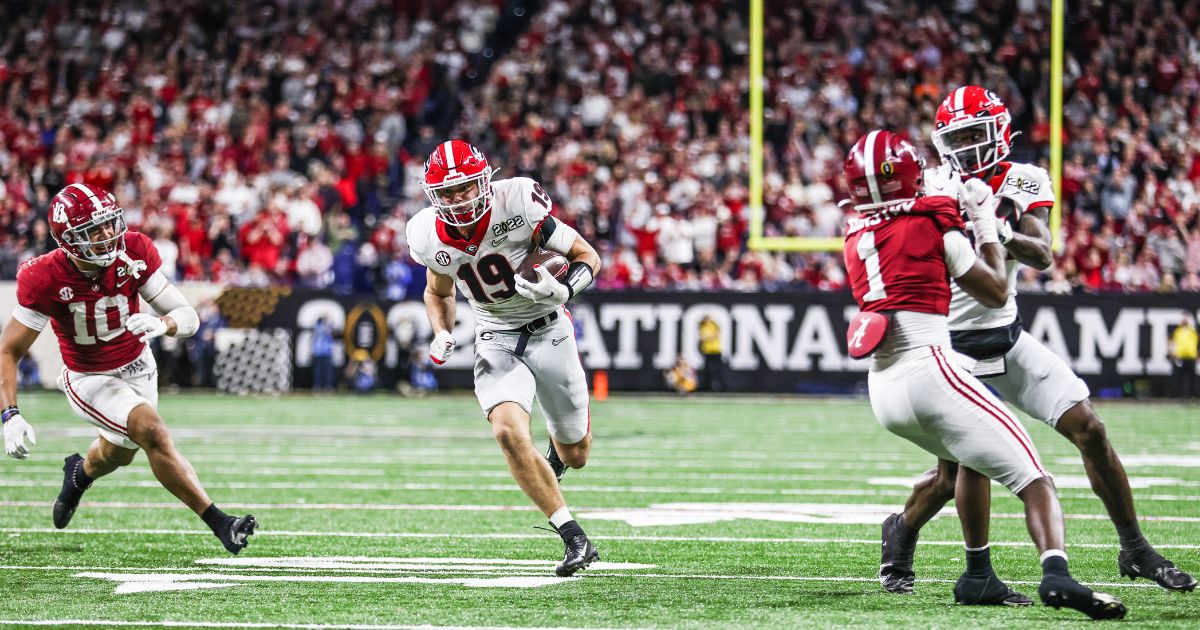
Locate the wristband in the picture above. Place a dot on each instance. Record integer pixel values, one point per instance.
(579, 277)
(8, 412)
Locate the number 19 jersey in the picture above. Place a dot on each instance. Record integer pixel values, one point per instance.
(484, 266)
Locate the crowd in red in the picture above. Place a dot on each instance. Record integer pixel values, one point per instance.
(282, 143)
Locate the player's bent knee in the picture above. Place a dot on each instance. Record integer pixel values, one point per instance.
(1085, 429)
(510, 425)
(147, 429)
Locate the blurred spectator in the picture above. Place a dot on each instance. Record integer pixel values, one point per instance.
(361, 372)
(1183, 357)
(322, 356)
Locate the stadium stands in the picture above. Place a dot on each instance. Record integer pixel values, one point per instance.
(280, 145)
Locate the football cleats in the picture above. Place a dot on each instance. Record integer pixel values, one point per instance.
(87, 223)
(1147, 563)
(882, 169)
(458, 182)
(972, 130)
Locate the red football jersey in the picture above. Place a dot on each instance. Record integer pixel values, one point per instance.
(89, 314)
(897, 261)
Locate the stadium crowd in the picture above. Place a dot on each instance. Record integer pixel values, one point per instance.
(269, 143)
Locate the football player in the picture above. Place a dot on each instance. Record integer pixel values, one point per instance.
(475, 235)
(901, 250)
(973, 136)
(90, 291)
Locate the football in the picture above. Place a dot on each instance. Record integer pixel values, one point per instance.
(553, 261)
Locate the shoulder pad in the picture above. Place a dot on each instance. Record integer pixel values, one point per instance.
(943, 210)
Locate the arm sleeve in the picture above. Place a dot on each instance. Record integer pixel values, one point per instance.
(154, 285)
(30, 318)
(171, 303)
(960, 256)
(557, 236)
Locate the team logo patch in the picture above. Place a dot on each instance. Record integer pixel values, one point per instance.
(487, 335)
(442, 259)
(471, 249)
(887, 169)
(60, 212)
(66, 293)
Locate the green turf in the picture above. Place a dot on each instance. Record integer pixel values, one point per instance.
(282, 454)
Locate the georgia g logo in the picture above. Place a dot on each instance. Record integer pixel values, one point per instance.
(442, 258)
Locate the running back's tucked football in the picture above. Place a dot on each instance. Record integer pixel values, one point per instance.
(553, 261)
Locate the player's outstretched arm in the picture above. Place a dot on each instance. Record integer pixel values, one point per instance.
(441, 309)
(14, 345)
(1030, 242)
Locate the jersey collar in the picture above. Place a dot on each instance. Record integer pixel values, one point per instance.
(470, 246)
(997, 181)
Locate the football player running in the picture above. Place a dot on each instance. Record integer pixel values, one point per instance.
(901, 249)
(973, 136)
(475, 235)
(89, 290)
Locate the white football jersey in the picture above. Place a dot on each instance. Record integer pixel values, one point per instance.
(484, 267)
(1028, 187)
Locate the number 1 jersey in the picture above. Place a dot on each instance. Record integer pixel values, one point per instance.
(88, 313)
(483, 267)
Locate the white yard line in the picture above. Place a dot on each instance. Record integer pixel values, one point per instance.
(207, 574)
(503, 536)
(93, 623)
(411, 507)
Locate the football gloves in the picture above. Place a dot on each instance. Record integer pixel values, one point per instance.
(980, 205)
(16, 429)
(146, 326)
(547, 290)
(441, 347)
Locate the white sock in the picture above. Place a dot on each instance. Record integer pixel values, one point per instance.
(1050, 553)
(979, 548)
(561, 516)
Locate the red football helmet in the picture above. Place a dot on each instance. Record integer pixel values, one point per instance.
(87, 223)
(973, 130)
(458, 182)
(882, 169)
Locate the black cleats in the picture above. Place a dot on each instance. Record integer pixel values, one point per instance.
(1148, 563)
(1062, 591)
(988, 590)
(556, 464)
(234, 532)
(578, 553)
(895, 564)
(71, 493)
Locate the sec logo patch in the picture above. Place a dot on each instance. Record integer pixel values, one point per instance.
(442, 259)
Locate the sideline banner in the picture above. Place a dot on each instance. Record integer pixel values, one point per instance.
(772, 342)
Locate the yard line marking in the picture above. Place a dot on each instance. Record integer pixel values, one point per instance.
(508, 487)
(661, 514)
(504, 536)
(92, 623)
(512, 487)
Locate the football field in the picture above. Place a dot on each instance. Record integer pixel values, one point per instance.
(385, 512)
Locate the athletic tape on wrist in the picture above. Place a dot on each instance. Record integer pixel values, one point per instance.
(8, 412)
(579, 277)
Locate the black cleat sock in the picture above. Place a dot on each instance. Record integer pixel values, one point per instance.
(979, 562)
(570, 529)
(1055, 565)
(215, 518)
(80, 481)
(1131, 537)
